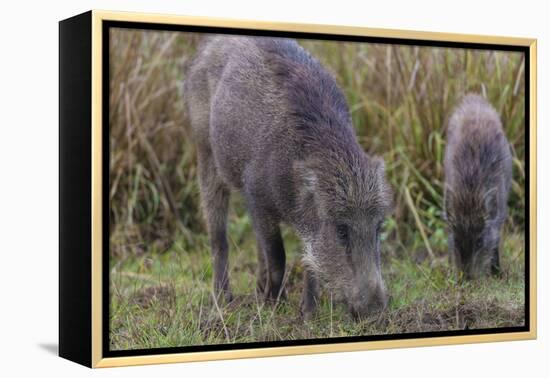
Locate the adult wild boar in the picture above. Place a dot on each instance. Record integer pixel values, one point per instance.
(478, 174)
(271, 123)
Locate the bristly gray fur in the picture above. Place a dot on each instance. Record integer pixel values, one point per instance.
(270, 122)
(478, 175)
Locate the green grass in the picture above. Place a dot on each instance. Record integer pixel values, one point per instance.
(165, 299)
(400, 98)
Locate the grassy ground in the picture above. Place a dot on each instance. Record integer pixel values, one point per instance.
(165, 299)
(400, 97)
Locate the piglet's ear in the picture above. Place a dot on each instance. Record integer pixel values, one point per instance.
(379, 166)
(306, 177)
(490, 202)
(381, 182)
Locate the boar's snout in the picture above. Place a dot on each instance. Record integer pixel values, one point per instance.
(370, 301)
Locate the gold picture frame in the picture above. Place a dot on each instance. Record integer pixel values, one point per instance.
(89, 328)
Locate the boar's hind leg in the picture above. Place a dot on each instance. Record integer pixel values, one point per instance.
(215, 199)
(262, 271)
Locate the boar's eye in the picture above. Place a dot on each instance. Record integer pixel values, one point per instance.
(342, 232)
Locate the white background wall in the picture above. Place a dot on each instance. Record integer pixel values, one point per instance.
(29, 189)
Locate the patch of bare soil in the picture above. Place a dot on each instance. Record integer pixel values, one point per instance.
(423, 317)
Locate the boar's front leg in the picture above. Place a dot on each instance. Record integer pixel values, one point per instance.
(271, 251)
(215, 201)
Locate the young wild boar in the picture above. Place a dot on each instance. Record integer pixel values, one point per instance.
(271, 123)
(478, 174)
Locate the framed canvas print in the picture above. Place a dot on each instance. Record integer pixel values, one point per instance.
(235, 189)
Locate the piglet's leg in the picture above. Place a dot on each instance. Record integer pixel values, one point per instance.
(495, 263)
(309, 295)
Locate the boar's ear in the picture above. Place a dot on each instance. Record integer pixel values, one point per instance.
(306, 185)
(306, 177)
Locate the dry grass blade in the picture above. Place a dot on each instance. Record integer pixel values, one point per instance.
(419, 224)
(220, 314)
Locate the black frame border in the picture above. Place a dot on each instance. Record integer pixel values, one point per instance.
(75, 181)
(108, 24)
